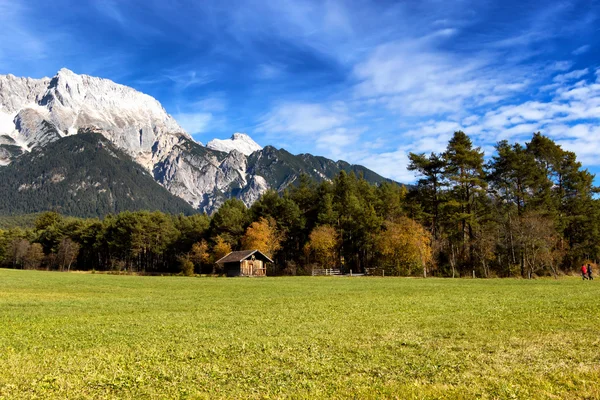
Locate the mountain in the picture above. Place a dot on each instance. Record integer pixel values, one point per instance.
(34, 112)
(83, 175)
(38, 114)
(239, 141)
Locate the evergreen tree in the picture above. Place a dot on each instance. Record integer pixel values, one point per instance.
(464, 172)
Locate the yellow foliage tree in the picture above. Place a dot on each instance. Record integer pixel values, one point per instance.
(323, 243)
(264, 236)
(404, 244)
(221, 248)
(200, 254)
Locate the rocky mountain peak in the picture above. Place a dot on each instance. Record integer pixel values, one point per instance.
(135, 122)
(238, 141)
(36, 113)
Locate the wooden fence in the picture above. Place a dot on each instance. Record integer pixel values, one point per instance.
(326, 271)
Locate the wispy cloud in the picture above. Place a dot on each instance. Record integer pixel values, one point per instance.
(571, 117)
(579, 73)
(270, 71)
(194, 123)
(303, 119)
(581, 50)
(17, 38)
(365, 81)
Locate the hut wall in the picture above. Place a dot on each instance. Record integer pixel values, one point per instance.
(252, 268)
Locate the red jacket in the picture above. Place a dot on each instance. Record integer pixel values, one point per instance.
(583, 269)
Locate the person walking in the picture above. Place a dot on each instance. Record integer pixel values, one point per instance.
(583, 272)
(589, 272)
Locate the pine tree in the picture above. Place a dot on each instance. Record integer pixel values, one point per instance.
(464, 172)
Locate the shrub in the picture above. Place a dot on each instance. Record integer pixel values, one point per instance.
(186, 265)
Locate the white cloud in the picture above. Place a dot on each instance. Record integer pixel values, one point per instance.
(572, 118)
(415, 78)
(561, 65)
(562, 78)
(392, 164)
(581, 50)
(422, 77)
(185, 78)
(340, 137)
(214, 103)
(304, 119)
(433, 128)
(270, 71)
(194, 122)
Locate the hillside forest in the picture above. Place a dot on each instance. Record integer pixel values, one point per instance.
(528, 210)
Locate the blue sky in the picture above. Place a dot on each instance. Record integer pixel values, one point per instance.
(363, 81)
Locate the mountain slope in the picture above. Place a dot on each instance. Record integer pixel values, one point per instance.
(281, 168)
(82, 175)
(38, 114)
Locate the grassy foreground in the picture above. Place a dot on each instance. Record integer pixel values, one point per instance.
(100, 336)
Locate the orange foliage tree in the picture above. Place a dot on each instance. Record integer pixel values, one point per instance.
(221, 248)
(323, 244)
(264, 236)
(200, 254)
(404, 245)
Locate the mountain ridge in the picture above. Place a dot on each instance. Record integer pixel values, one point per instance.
(36, 113)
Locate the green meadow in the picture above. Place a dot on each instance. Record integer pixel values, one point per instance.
(70, 335)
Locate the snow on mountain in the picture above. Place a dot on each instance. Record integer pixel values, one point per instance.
(37, 112)
(238, 141)
(133, 121)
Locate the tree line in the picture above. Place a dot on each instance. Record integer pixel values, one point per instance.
(528, 210)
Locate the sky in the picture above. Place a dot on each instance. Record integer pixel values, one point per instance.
(363, 81)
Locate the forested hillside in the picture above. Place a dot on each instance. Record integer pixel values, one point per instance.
(81, 175)
(529, 210)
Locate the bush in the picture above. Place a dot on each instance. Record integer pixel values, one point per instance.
(186, 265)
(290, 268)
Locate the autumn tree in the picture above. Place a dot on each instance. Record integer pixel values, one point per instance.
(221, 248)
(262, 235)
(3, 245)
(485, 245)
(404, 245)
(200, 254)
(323, 244)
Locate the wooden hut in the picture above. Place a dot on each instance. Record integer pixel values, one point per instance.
(245, 263)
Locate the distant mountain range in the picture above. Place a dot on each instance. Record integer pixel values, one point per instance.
(88, 146)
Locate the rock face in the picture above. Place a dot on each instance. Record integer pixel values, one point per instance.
(37, 112)
(239, 141)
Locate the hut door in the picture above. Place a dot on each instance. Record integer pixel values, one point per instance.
(252, 260)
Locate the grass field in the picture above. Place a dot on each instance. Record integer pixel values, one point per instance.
(101, 336)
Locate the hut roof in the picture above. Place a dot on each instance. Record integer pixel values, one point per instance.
(238, 256)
